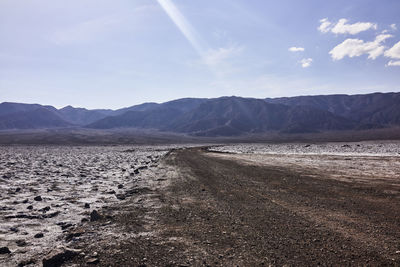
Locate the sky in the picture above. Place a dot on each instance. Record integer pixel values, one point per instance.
(114, 54)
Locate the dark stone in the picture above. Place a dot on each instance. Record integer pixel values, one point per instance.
(120, 196)
(87, 206)
(50, 215)
(120, 186)
(30, 207)
(65, 226)
(14, 229)
(26, 262)
(18, 189)
(4, 250)
(72, 235)
(58, 256)
(38, 198)
(94, 216)
(45, 209)
(25, 201)
(38, 235)
(21, 243)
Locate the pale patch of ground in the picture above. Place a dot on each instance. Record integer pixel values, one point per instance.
(66, 178)
(367, 162)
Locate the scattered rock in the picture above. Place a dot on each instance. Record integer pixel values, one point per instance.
(21, 243)
(65, 226)
(111, 192)
(92, 261)
(50, 215)
(73, 234)
(58, 256)
(30, 207)
(120, 196)
(18, 189)
(120, 186)
(45, 209)
(14, 229)
(26, 262)
(87, 206)
(4, 250)
(38, 198)
(39, 235)
(94, 216)
(25, 201)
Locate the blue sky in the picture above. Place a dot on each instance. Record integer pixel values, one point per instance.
(112, 54)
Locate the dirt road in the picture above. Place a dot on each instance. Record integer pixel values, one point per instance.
(221, 212)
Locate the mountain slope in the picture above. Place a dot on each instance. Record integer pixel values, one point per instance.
(377, 108)
(227, 116)
(10, 108)
(234, 115)
(33, 119)
(82, 116)
(157, 118)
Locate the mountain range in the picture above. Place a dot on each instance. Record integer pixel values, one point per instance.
(224, 116)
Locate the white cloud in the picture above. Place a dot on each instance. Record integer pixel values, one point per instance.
(393, 52)
(325, 26)
(393, 27)
(296, 49)
(393, 63)
(357, 47)
(342, 27)
(306, 62)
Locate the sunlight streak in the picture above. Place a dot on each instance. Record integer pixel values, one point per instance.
(183, 25)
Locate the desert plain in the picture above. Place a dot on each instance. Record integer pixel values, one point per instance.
(201, 205)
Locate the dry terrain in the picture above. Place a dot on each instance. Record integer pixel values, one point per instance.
(246, 205)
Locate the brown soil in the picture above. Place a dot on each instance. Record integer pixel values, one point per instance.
(221, 212)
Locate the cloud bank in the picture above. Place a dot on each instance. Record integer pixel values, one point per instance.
(357, 47)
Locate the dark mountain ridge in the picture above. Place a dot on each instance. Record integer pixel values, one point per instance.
(224, 116)
(376, 108)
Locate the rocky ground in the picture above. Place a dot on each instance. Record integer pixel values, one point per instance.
(240, 205)
(45, 191)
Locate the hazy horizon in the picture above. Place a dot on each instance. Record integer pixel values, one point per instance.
(98, 54)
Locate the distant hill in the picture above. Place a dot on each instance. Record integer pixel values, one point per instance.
(224, 116)
(227, 116)
(40, 117)
(82, 116)
(149, 115)
(10, 108)
(377, 108)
